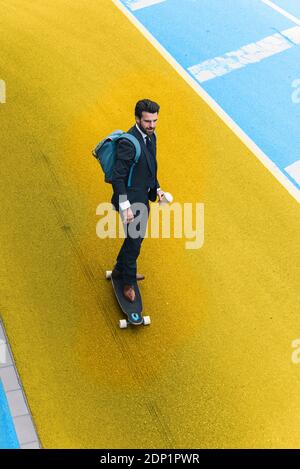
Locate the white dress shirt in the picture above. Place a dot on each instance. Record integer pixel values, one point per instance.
(126, 204)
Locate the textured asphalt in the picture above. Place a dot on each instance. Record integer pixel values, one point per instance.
(214, 369)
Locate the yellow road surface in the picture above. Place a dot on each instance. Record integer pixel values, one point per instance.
(214, 369)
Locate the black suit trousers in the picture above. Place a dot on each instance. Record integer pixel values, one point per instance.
(130, 250)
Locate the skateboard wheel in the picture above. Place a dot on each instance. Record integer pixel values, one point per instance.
(123, 323)
(146, 320)
(108, 274)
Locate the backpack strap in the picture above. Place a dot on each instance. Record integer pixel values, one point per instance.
(137, 147)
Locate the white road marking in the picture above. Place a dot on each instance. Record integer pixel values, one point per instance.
(294, 171)
(138, 4)
(282, 11)
(248, 54)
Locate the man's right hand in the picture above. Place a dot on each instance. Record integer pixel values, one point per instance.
(128, 216)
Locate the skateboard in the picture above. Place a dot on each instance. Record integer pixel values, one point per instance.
(133, 311)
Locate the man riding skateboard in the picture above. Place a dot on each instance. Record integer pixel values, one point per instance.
(144, 187)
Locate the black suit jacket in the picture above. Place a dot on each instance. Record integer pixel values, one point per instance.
(144, 173)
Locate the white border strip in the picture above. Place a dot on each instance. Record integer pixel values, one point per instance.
(263, 158)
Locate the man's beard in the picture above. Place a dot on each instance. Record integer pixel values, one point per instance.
(145, 130)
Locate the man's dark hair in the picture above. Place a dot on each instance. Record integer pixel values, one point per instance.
(147, 106)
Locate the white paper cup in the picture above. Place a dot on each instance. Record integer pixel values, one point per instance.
(167, 199)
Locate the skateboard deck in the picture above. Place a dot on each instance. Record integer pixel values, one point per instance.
(132, 310)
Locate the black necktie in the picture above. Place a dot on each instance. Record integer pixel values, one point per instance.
(151, 149)
(150, 146)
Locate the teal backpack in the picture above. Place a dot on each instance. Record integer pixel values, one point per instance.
(106, 153)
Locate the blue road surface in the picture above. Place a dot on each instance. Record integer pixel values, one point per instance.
(8, 437)
(261, 93)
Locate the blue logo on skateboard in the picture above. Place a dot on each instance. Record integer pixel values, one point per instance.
(135, 317)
